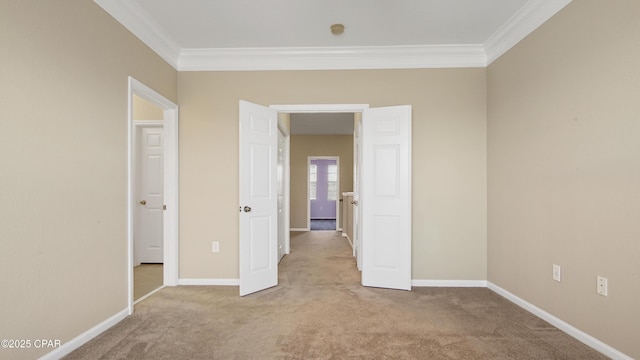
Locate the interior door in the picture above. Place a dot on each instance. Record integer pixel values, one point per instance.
(385, 197)
(258, 198)
(149, 233)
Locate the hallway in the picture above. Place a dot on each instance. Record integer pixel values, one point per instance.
(318, 258)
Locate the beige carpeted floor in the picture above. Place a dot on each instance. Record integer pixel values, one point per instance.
(320, 311)
(146, 278)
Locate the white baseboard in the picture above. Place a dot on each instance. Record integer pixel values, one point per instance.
(348, 239)
(448, 283)
(581, 336)
(299, 229)
(83, 338)
(209, 282)
(567, 328)
(149, 294)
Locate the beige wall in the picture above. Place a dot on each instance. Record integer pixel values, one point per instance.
(564, 169)
(63, 154)
(144, 110)
(449, 159)
(303, 146)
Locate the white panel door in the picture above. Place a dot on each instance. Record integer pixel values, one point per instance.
(258, 198)
(385, 197)
(148, 235)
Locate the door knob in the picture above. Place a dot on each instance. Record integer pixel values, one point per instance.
(143, 202)
(247, 209)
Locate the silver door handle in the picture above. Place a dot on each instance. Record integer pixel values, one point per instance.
(247, 209)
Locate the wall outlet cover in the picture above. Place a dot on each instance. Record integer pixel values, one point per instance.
(602, 286)
(557, 272)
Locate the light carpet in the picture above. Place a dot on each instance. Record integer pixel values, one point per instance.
(146, 278)
(319, 310)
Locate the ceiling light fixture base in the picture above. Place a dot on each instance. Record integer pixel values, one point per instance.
(337, 29)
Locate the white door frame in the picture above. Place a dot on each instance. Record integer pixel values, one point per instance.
(338, 210)
(282, 128)
(170, 219)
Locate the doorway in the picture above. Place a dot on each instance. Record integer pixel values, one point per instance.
(323, 192)
(148, 246)
(165, 167)
(385, 198)
(283, 191)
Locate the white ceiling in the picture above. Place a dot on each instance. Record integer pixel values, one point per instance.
(295, 34)
(301, 23)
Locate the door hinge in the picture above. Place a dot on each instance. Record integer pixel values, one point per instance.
(164, 207)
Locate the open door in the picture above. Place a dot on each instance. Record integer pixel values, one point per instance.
(385, 197)
(148, 232)
(258, 198)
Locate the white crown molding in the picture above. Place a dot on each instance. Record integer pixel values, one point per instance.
(332, 58)
(136, 20)
(520, 25)
(320, 108)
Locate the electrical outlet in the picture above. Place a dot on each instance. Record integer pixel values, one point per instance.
(215, 246)
(601, 286)
(556, 272)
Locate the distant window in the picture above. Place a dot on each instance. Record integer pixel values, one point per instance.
(313, 181)
(332, 182)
